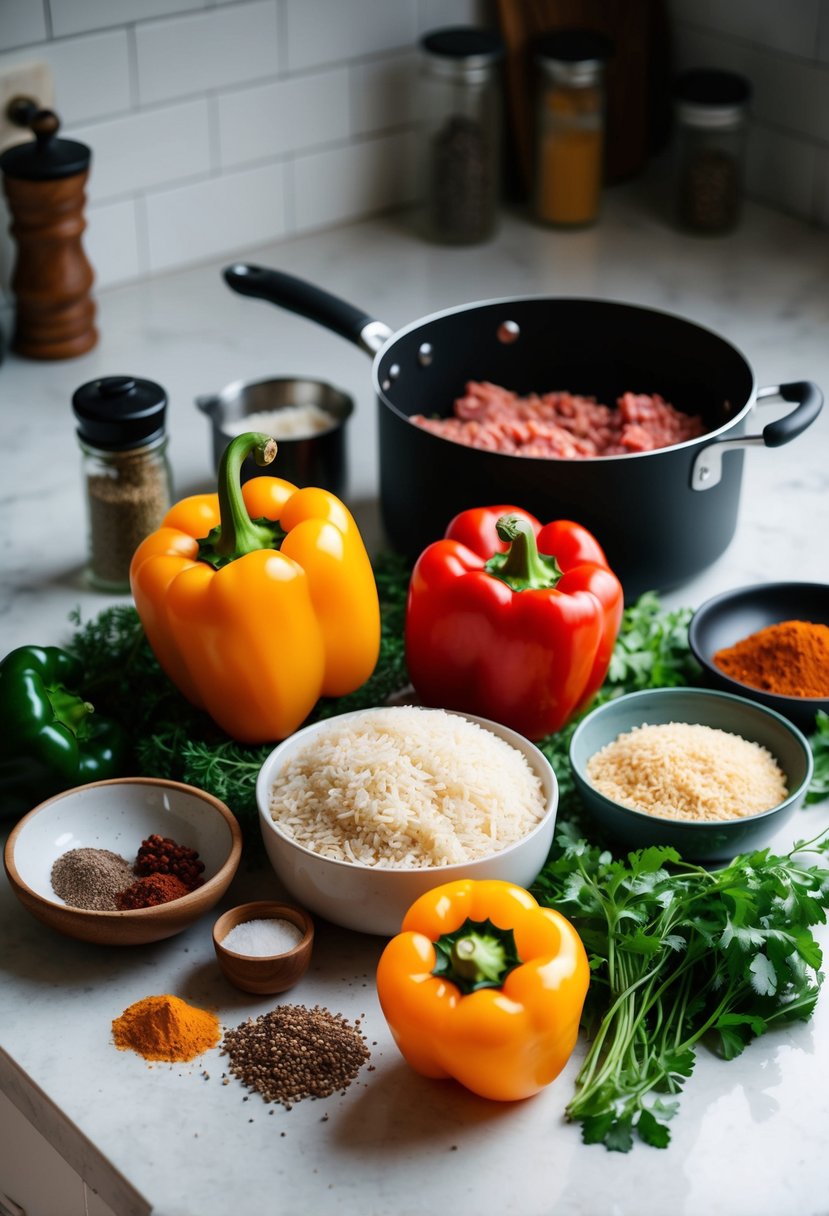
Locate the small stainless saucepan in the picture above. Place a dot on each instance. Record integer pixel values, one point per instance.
(317, 459)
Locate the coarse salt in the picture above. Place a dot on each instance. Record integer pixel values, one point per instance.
(262, 938)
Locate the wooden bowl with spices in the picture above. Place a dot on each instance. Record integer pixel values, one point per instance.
(705, 772)
(768, 642)
(123, 862)
(264, 947)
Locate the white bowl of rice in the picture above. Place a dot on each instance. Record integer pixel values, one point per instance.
(364, 812)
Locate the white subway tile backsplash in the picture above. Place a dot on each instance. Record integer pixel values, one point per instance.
(219, 124)
(111, 243)
(81, 16)
(786, 28)
(91, 75)
(341, 184)
(781, 171)
(384, 93)
(787, 94)
(273, 119)
(143, 150)
(219, 216)
(21, 21)
(436, 14)
(823, 33)
(328, 31)
(822, 189)
(206, 51)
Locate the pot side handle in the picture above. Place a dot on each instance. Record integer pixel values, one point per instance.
(706, 470)
(308, 300)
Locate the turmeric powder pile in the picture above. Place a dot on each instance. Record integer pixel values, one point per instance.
(166, 1028)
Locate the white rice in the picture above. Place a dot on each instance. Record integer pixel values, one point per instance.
(290, 422)
(407, 788)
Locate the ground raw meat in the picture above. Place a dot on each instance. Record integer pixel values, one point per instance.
(561, 424)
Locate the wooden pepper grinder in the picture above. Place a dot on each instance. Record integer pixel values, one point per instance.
(44, 181)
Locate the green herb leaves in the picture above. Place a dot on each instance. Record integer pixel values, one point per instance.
(819, 742)
(681, 955)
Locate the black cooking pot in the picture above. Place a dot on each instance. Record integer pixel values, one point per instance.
(661, 516)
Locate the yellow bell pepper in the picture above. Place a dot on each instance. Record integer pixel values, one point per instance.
(485, 986)
(258, 600)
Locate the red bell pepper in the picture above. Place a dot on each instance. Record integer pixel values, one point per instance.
(512, 620)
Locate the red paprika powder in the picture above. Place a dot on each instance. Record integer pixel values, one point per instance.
(790, 659)
(151, 890)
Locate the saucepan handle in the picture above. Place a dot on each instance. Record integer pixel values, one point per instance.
(707, 467)
(308, 300)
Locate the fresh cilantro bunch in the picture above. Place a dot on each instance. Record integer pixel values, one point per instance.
(681, 954)
(819, 743)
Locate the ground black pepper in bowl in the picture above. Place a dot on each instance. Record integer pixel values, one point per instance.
(91, 878)
(295, 1052)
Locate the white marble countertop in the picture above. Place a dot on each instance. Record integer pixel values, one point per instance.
(750, 1136)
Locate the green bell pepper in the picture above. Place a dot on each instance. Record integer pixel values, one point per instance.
(51, 738)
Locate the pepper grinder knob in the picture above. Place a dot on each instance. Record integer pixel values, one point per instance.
(45, 124)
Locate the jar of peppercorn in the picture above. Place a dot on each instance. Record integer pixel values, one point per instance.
(460, 153)
(122, 435)
(711, 113)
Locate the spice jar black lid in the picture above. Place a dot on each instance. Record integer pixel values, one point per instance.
(45, 158)
(574, 46)
(712, 87)
(464, 42)
(119, 412)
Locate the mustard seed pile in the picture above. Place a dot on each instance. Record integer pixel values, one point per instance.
(294, 1052)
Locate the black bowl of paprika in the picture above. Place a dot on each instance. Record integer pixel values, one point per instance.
(768, 642)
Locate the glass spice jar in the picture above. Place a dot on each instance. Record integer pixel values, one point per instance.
(711, 113)
(122, 436)
(460, 152)
(569, 126)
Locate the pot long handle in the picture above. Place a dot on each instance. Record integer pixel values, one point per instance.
(707, 467)
(308, 300)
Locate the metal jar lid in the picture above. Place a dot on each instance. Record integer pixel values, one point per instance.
(119, 412)
(463, 52)
(574, 57)
(707, 97)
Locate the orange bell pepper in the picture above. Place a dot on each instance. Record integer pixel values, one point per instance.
(258, 600)
(484, 985)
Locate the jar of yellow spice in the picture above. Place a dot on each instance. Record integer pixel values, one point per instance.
(569, 126)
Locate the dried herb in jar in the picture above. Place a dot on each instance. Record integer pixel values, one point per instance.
(128, 482)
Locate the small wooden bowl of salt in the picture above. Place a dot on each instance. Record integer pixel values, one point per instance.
(265, 946)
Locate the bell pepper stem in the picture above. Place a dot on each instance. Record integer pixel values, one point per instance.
(522, 567)
(240, 534)
(478, 959)
(477, 955)
(237, 534)
(69, 709)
